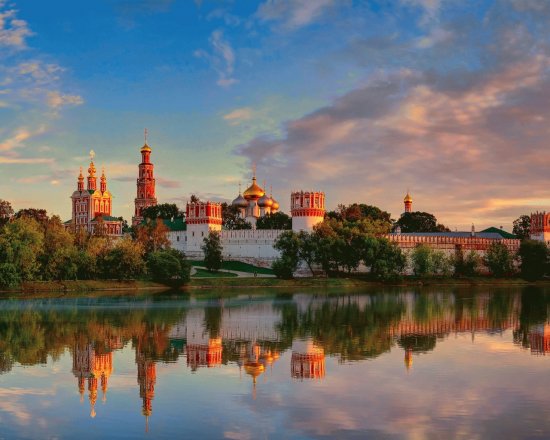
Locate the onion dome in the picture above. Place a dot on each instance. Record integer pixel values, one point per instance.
(265, 201)
(254, 191)
(274, 205)
(254, 369)
(240, 202)
(145, 147)
(408, 198)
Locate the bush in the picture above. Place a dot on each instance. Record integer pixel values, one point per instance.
(534, 259)
(389, 262)
(284, 267)
(125, 260)
(466, 266)
(9, 275)
(169, 267)
(442, 264)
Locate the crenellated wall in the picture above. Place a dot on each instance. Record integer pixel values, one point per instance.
(250, 243)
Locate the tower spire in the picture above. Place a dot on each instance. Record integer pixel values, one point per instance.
(145, 135)
(103, 184)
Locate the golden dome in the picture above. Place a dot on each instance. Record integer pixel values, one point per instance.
(265, 201)
(408, 198)
(254, 191)
(275, 205)
(145, 148)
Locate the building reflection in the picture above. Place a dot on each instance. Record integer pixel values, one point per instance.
(146, 378)
(251, 336)
(539, 339)
(307, 361)
(89, 365)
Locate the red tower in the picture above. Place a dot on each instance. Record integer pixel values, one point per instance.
(145, 184)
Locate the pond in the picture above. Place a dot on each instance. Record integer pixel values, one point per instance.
(390, 363)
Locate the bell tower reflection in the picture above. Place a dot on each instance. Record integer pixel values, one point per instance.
(147, 378)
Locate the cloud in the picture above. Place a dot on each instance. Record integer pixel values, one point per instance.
(475, 134)
(430, 8)
(292, 14)
(238, 115)
(57, 100)
(13, 31)
(228, 18)
(167, 183)
(18, 138)
(25, 160)
(221, 59)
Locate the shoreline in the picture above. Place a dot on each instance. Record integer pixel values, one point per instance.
(198, 284)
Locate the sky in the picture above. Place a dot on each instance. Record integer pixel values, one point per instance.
(363, 100)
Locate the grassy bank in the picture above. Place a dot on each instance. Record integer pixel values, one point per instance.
(218, 283)
(85, 286)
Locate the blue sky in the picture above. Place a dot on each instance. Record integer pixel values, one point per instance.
(360, 99)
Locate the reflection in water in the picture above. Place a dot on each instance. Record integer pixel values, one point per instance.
(308, 360)
(251, 336)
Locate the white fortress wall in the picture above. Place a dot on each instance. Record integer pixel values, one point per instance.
(250, 243)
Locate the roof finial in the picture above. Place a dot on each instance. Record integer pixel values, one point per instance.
(92, 155)
(145, 135)
(254, 170)
(239, 188)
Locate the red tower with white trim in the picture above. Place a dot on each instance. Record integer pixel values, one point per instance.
(307, 209)
(145, 184)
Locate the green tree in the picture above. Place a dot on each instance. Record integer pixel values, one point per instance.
(498, 259)
(389, 261)
(39, 215)
(288, 244)
(169, 267)
(534, 259)
(60, 257)
(163, 210)
(466, 265)
(522, 227)
(21, 244)
(231, 218)
(422, 260)
(442, 264)
(212, 249)
(277, 220)
(419, 222)
(125, 260)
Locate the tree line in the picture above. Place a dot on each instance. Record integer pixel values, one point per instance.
(37, 247)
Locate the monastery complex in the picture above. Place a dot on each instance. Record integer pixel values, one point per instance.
(92, 207)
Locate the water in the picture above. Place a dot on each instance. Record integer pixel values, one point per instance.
(383, 364)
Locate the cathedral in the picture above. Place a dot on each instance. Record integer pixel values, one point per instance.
(92, 207)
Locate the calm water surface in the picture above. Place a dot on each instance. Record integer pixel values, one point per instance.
(387, 364)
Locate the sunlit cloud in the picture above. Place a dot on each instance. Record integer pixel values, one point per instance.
(292, 14)
(221, 59)
(238, 115)
(13, 30)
